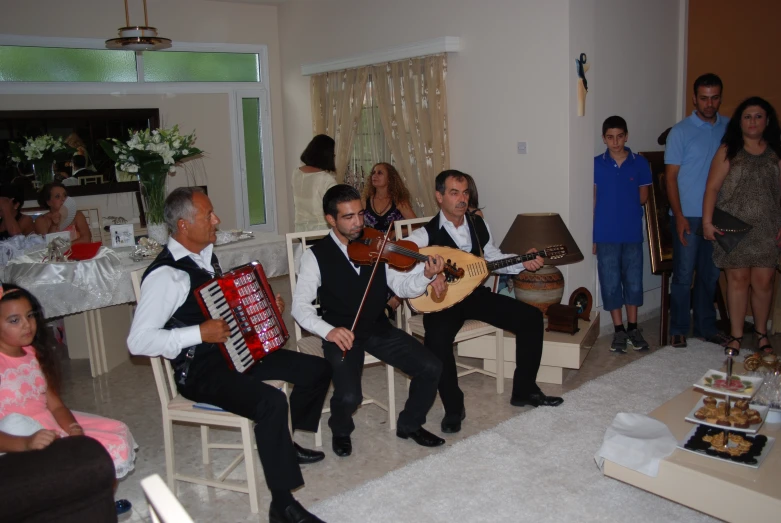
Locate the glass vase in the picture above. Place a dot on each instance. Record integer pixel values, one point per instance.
(44, 171)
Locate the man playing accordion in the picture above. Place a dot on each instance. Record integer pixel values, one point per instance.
(168, 322)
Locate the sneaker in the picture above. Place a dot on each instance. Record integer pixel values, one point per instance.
(636, 340)
(619, 342)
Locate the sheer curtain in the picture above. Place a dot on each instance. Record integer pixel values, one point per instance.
(337, 102)
(370, 146)
(412, 101)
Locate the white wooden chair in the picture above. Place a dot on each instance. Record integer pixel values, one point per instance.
(92, 179)
(163, 505)
(92, 215)
(181, 410)
(314, 345)
(413, 324)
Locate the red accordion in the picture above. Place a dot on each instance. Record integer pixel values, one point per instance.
(243, 298)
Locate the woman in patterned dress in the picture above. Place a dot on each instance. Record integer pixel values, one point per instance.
(745, 181)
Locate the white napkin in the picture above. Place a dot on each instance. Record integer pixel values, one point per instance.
(637, 442)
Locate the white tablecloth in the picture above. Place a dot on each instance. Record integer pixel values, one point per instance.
(62, 295)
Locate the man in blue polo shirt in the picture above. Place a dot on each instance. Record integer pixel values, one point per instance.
(690, 148)
(621, 180)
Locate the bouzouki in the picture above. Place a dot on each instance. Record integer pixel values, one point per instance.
(475, 271)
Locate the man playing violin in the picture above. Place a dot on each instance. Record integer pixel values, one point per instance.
(327, 271)
(453, 227)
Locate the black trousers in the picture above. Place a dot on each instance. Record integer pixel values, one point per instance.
(396, 348)
(71, 480)
(504, 312)
(210, 380)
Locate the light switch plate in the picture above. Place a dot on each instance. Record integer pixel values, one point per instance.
(521, 147)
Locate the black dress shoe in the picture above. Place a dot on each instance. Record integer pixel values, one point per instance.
(452, 424)
(342, 446)
(293, 513)
(306, 456)
(422, 437)
(536, 399)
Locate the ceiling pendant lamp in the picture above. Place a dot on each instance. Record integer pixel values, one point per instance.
(139, 37)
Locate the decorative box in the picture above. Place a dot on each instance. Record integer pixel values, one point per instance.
(562, 318)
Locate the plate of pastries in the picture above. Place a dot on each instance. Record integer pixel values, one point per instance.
(743, 416)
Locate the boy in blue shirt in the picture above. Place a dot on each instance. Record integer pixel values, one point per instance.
(621, 180)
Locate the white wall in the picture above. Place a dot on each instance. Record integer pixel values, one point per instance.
(513, 81)
(632, 46)
(509, 84)
(180, 20)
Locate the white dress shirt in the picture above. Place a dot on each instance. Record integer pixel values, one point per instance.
(463, 240)
(162, 292)
(404, 284)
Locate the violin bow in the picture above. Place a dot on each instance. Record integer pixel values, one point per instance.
(371, 279)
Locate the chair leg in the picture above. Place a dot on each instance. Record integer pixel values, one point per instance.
(319, 435)
(249, 462)
(391, 397)
(168, 446)
(499, 361)
(205, 444)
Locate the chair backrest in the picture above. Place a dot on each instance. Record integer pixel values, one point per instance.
(161, 367)
(403, 229)
(92, 215)
(297, 244)
(163, 505)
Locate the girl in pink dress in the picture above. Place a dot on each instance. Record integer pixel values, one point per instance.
(29, 381)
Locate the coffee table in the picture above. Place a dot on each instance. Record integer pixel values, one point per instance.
(724, 490)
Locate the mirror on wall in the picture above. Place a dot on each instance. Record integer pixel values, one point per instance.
(82, 130)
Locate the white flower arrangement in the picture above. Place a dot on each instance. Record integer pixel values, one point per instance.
(152, 155)
(158, 150)
(38, 147)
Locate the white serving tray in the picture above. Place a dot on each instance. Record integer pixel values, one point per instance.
(752, 429)
(710, 382)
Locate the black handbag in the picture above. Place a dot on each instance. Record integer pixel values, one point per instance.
(734, 229)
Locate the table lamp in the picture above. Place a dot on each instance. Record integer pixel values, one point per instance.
(540, 230)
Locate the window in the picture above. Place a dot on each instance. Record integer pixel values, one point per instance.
(178, 66)
(54, 64)
(256, 196)
(43, 66)
(369, 146)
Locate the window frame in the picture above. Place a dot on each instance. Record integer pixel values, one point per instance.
(141, 87)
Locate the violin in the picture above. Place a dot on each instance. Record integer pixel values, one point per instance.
(402, 255)
(373, 247)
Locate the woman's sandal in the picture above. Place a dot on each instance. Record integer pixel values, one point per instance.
(767, 347)
(678, 341)
(731, 339)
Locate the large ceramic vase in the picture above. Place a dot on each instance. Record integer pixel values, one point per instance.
(541, 288)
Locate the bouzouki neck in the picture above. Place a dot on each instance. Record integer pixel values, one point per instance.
(506, 262)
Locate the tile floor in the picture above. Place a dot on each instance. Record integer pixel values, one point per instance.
(128, 393)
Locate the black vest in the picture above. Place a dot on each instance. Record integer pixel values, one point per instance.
(341, 291)
(439, 236)
(190, 312)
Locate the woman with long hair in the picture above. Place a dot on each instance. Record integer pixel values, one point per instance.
(311, 181)
(745, 181)
(386, 198)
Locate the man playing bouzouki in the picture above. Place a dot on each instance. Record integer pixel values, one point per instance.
(452, 227)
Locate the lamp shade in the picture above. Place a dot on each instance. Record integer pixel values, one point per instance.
(541, 230)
